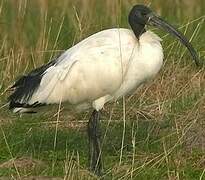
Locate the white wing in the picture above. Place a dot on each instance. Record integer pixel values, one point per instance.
(93, 68)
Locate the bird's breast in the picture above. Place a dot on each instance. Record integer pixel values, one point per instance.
(146, 61)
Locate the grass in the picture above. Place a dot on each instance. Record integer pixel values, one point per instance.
(163, 137)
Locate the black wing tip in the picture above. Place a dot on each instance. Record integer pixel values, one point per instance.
(26, 85)
(29, 109)
(13, 105)
(23, 90)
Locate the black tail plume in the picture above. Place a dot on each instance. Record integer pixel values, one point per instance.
(26, 86)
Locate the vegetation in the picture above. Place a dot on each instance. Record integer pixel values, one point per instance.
(156, 133)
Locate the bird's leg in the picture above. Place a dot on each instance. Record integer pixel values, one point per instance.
(94, 143)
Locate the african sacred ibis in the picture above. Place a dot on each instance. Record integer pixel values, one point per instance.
(103, 67)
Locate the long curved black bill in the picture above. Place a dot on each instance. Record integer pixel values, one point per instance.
(159, 22)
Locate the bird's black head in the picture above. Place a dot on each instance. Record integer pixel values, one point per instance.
(141, 15)
(138, 18)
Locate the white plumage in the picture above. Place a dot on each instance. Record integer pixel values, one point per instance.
(102, 67)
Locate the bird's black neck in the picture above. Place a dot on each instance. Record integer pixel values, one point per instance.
(137, 25)
(138, 29)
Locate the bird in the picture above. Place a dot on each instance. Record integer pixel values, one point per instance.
(101, 68)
